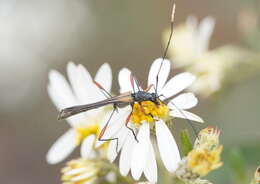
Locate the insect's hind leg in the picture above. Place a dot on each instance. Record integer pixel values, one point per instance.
(126, 123)
(111, 139)
(104, 129)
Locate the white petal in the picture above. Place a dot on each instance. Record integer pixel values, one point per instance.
(76, 171)
(61, 94)
(150, 170)
(113, 148)
(87, 146)
(126, 154)
(104, 76)
(89, 174)
(183, 101)
(205, 31)
(163, 73)
(93, 93)
(90, 93)
(168, 148)
(122, 136)
(192, 23)
(82, 84)
(62, 147)
(125, 82)
(60, 91)
(177, 84)
(140, 151)
(178, 113)
(114, 125)
(72, 73)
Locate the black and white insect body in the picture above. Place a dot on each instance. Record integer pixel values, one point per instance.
(141, 96)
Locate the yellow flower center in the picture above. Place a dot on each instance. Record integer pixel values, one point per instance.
(202, 161)
(148, 111)
(85, 130)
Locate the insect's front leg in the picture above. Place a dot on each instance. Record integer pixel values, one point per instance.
(100, 137)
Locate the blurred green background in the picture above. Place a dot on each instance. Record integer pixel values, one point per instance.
(36, 36)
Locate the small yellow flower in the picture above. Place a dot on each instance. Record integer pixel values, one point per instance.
(202, 161)
(205, 156)
(80, 171)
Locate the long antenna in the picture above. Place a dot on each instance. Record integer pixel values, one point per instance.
(167, 46)
(170, 37)
(163, 58)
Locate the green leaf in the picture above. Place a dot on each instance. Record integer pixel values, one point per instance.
(186, 144)
(237, 164)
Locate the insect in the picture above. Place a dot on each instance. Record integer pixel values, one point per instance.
(119, 101)
(124, 99)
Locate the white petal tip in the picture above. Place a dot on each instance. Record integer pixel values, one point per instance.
(210, 20)
(189, 75)
(53, 73)
(51, 161)
(186, 115)
(70, 64)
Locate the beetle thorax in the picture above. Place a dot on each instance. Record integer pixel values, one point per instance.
(141, 96)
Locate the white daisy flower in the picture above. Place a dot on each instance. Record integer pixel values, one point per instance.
(196, 35)
(85, 127)
(139, 157)
(211, 67)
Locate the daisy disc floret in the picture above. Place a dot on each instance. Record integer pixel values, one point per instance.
(148, 111)
(146, 116)
(84, 127)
